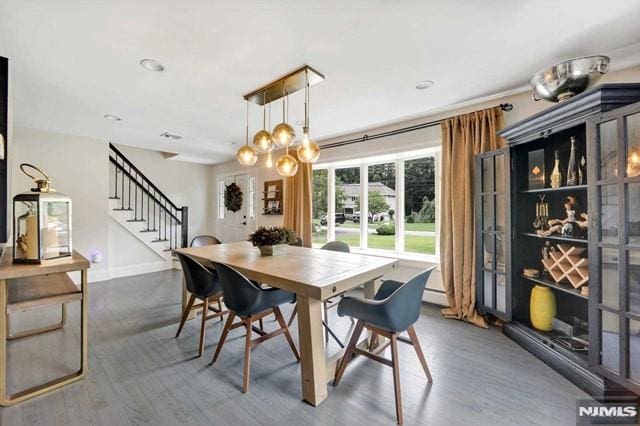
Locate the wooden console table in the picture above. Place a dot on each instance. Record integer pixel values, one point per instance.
(24, 287)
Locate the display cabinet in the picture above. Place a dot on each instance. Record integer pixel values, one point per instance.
(573, 238)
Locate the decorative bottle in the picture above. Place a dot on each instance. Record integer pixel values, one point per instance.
(572, 176)
(556, 174)
(581, 175)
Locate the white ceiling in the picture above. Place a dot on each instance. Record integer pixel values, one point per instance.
(73, 61)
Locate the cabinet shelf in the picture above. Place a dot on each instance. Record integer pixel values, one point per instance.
(566, 288)
(561, 189)
(556, 238)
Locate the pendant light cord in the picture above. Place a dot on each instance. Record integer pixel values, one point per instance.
(247, 128)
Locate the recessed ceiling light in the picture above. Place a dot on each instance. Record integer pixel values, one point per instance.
(112, 117)
(424, 84)
(152, 65)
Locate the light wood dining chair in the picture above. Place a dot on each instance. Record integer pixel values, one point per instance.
(393, 310)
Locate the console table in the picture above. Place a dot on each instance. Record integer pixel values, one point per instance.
(24, 287)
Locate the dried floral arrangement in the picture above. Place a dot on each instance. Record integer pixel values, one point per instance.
(271, 236)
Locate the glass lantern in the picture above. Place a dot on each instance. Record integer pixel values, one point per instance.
(42, 223)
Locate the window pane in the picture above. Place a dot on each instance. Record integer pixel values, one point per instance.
(609, 214)
(500, 213)
(609, 268)
(320, 206)
(633, 275)
(488, 290)
(487, 174)
(501, 292)
(499, 173)
(633, 212)
(487, 212)
(500, 262)
(633, 145)
(610, 341)
(347, 205)
(382, 202)
(608, 149)
(420, 205)
(634, 350)
(488, 245)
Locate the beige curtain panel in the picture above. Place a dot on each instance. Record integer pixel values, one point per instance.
(297, 203)
(463, 137)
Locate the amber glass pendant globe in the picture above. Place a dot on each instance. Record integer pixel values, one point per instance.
(309, 152)
(287, 166)
(262, 141)
(283, 135)
(247, 155)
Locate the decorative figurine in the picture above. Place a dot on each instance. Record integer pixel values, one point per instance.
(556, 174)
(569, 227)
(581, 175)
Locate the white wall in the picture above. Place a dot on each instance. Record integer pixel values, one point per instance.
(78, 168)
(186, 184)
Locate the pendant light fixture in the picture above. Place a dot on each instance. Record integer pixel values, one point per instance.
(247, 155)
(308, 151)
(262, 140)
(269, 162)
(283, 134)
(287, 165)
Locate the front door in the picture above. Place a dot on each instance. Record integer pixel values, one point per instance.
(236, 226)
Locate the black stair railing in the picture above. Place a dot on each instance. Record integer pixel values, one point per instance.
(136, 193)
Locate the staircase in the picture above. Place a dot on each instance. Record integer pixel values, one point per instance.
(144, 210)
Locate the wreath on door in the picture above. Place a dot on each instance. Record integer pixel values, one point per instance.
(233, 197)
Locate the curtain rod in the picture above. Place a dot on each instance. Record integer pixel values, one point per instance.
(366, 137)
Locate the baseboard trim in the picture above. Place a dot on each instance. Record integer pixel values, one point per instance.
(435, 297)
(143, 268)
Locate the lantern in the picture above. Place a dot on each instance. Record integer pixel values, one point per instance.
(41, 222)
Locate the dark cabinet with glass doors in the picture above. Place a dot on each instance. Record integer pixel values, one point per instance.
(558, 214)
(615, 244)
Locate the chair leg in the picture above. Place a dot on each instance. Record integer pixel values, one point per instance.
(220, 308)
(223, 336)
(416, 345)
(280, 319)
(203, 326)
(261, 325)
(396, 376)
(185, 314)
(293, 315)
(331, 332)
(357, 331)
(247, 355)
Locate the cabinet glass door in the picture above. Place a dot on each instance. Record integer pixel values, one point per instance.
(492, 233)
(614, 243)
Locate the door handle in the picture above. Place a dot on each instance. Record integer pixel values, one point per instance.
(243, 223)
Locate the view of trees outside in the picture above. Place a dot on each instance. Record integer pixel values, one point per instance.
(347, 188)
(382, 200)
(320, 205)
(419, 206)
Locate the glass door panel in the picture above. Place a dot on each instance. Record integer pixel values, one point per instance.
(491, 233)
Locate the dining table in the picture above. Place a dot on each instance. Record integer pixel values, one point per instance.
(315, 276)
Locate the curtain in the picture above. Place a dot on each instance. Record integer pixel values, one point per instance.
(463, 137)
(297, 202)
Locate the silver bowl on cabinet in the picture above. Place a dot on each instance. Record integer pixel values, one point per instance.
(569, 78)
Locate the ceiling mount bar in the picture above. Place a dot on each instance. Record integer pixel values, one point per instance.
(287, 84)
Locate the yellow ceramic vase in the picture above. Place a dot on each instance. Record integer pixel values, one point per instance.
(542, 308)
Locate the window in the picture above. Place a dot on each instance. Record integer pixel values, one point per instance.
(398, 213)
(320, 206)
(347, 217)
(381, 202)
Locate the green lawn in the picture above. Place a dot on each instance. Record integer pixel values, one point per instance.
(413, 244)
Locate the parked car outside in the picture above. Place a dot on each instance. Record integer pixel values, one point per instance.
(340, 219)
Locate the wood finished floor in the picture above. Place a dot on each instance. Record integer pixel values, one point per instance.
(140, 375)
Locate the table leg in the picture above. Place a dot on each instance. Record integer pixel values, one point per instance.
(311, 340)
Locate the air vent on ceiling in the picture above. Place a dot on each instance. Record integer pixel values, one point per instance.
(171, 136)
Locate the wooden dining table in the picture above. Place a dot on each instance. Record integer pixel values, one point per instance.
(315, 276)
